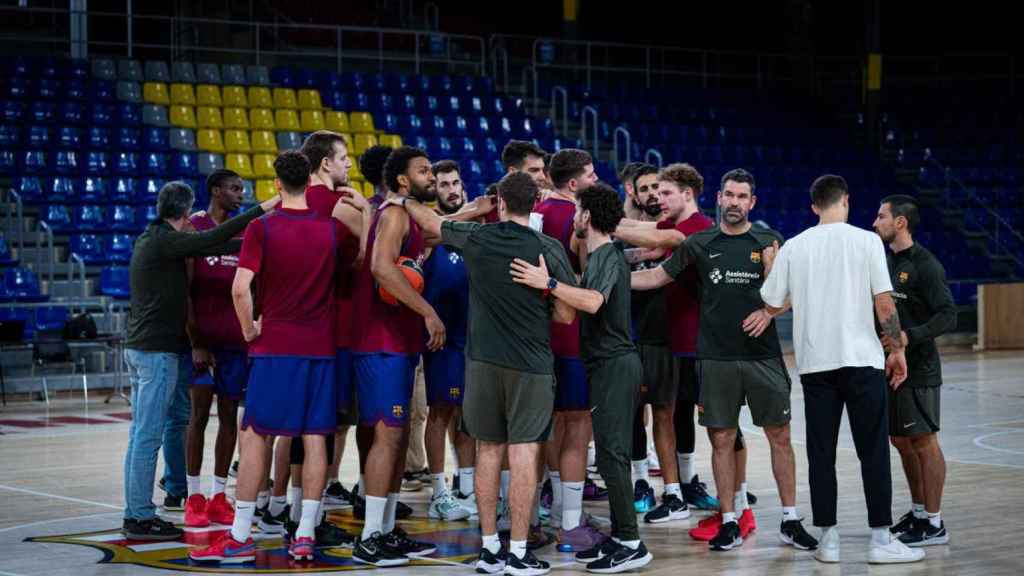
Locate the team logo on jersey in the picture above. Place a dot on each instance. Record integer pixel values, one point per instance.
(904, 276)
(397, 411)
(755, 257)
(715, 276)
(212, 260)
(454, 392)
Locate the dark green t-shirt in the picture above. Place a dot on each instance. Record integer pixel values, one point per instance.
(509, 324)
(606, 334)
(729, 273)
(649, 309)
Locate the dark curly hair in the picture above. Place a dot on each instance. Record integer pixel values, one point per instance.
(398, 164)
(292, 169)
(371, 163)
(604, 205)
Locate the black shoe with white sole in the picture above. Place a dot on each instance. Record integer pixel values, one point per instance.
(924, 534)
(490, 563)
(622, 559)
(152, 530)
(792, 532)
(399, 542)
(728, 537)
(528, 565)
(174, 503)
(328, 535)
(603, 549)
(372, 551)
(905, 524)
(275, 524)
(337, 495)
(671, 508)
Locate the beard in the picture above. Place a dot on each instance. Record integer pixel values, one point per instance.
(581, 233)
(652, 209)
(734, 217)
(450, 208)
(425, 194)
(886, 238)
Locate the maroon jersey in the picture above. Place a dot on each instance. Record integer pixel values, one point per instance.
(212, 307)
(681, 295)
(322, 200)
(558, 215)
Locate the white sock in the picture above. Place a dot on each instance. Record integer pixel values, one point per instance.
(277, 504)
(673, 488)
(219, 484)
(310, 510)
(728, 517)
(572, 504)
(641, 471)
(556, 493)
(374, 515)
(492, 543)
(517, 548)
(389, 513)
(918, 511)
(295, 495)
(466, 481)
(685, 461)
(631, 544)
(506, 479)
(262, 498)
(880, 536)
(789, 513)
(440, 486)
(296, 510)
(935, 519)
(195, 485)
(242, 526)
(740, 500)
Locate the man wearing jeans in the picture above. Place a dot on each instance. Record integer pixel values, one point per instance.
(836, 278)
(157, 352)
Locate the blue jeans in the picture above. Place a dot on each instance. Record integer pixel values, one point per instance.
(160, 414)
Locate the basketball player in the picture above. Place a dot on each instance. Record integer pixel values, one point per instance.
(836, 278)
(926, 311)
(218, 358)
(679, 186)
(524, 156)
(612, 364)
(740, 359)
(291, 388)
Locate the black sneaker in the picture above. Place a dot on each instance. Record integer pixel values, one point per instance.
(728, 537)
(152, 530)
(751, 499)
(329, 536)
(402, 511)
(528, 565)
(398, 542)
(290, 528)
(792, 532)
(905, 524)
(924, 534)
(174, 503)
(603, 549)
(695, 494)
(373, 552)
(622, 559)
(490, 563)
(337, 495)
(671, 508)
(359, 508)
(260, 512)
(275, 524)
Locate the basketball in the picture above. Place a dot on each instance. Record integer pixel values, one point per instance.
(413, 274)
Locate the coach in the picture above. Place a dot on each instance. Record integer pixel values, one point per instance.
(157, 368)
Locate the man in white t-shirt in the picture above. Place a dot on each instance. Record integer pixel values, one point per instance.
(836, 279)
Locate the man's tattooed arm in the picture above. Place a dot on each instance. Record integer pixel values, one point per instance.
(889, 320)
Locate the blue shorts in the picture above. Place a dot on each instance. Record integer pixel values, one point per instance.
(230, 374)
(444, 372)
(344, 378)
(384, 388)
(291, 396)
(571, 390)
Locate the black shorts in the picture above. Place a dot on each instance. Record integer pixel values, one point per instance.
(688, 378)
(914, 411)
(660, 385)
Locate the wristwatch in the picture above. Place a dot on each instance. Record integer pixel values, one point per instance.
(403, 200)
(552, 284)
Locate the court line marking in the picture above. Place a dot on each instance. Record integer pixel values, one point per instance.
(65, 498)
(979, 442)
(54, 520)
(3, 573)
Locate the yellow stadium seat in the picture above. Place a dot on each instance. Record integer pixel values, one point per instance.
(312, 120)
(363, 141)
(236, 118)
(263, 141)
(336, 121)
(235, 96)
(183, 94)
(261, 119)
(361, 122)
(240, 163)
(285, 98)
(390, 140)
(209, 117)
(368, 190)
(348, 142)
(310, 100)
(265, 190)
(354, 173)
(183, 117)
(155, 93)
(259, 97)
(263, 165)
(237, 141)
(208, 95)
(210, 141)
(286, 120)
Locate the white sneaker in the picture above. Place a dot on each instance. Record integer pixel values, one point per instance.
(895, 552)
(444, 507)
(591, 459)
(468, 503)
(828, 546)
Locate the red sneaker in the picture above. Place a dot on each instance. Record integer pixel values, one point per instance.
(226, 551)
(220, 511)
(747, 523)
(707, 528)
(302, 548)
(196, 511)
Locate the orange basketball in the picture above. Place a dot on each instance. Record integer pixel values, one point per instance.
(413, 275)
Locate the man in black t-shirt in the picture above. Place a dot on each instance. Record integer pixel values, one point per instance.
(612, 365)
(738, 351)
(926, 311)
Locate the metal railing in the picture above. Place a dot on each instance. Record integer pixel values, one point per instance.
(18, 211)
(651, 152)
(500, 75)
(51, 255)
(76, 261)
(592, 112)
(555, 92)
(616, 160)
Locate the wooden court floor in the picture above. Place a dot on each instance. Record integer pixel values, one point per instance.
(61, 496)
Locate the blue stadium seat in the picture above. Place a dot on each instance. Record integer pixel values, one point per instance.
(329, 81)
(305, 78)
(98, 137)
(421, 142)
(18, 66)
(73, 68)
(458, 126)
(473, 170)
(452, 105)
(154, 163)
(128, 114)
(127, 138)
(75, 90)
(491, 147)
(93, 190)
(355, 81)
(391, 123)
(30, 189)
(42, 112)
(102, 114)
(334, 99)
(126, 163)
(122, 191)
(17, 89)
(57, 217)
(382, 104)
(407, 104)
(147, 190)
(89, 218)
(282, 76)
(398, 83)
(97, 163)
(185, 164)
(51, 318)
(155, 138)
(22, 285)
(118, 248)
(413, 124)
(147, 214)
(359, 101)
(376, 83)
(33, 162)
(69, 137)
(62, 189)
(122, 218)
(431, 105)
(39, 136)
(47, 89)
(465, 147)
(10, 135)
(46, 68)
(481, 128)
(6, 257)
(115, 282)
(14, 111)
(66, 162)
(8, 163)
(438, 126)
(103, 91)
